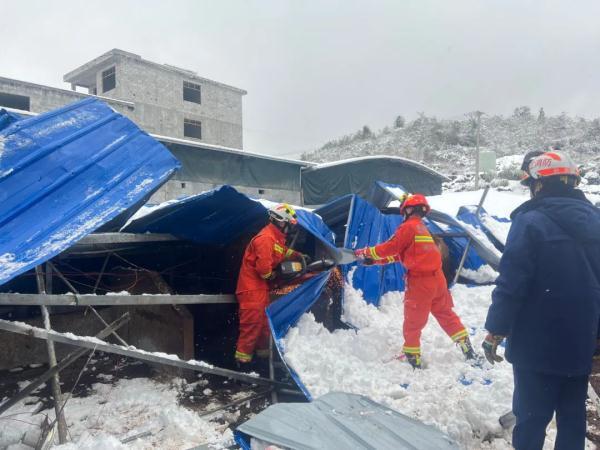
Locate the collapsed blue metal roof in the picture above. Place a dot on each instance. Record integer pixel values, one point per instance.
(7, 118)
(214, 217)
(218, 217)
(65, 173)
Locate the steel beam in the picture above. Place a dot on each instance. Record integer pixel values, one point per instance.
(112, 300)
(123, 238)
(132, 352)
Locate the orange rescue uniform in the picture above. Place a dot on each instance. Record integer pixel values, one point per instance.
(263, 254)
(426, 288)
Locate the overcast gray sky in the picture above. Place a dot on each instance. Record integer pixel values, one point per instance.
(315, 70)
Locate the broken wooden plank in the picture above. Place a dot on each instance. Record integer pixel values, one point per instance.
(160, 358)
(112, 300)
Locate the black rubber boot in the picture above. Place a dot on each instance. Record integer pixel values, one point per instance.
(467, 350)
(414, 359)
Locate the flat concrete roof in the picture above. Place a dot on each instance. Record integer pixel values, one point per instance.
(75, 94)
(85, 75)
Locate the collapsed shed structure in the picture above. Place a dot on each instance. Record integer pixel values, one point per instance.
(73, 237)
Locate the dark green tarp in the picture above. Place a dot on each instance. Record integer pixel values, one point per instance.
(321, 184)
(207, 165)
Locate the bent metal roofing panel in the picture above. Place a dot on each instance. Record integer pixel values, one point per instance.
(65, 173)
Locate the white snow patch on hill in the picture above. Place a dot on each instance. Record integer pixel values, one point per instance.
(363, 362)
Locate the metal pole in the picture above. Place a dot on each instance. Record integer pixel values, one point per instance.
(101, 273)
(466, 251)
(272, 370)
(478, 114)
(170, 360)
(62, 424)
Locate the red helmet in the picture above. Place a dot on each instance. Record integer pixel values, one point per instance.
(415, 200)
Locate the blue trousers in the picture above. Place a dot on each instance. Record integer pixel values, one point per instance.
(537, 397)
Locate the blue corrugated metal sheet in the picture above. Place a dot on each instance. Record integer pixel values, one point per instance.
(218, 217)
(65, 173)
(7, 118)
(215, 217)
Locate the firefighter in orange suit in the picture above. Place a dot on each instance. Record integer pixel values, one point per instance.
(263, 254)
(426, 287)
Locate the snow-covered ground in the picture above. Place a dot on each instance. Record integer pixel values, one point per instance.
(115, 412)
(459, 399)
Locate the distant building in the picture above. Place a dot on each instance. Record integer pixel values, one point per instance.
(161, 99)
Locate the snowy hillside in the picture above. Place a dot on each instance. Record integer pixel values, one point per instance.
(449, 145)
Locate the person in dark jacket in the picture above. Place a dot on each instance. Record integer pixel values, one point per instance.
(547, 303)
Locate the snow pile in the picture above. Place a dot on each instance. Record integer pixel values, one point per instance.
(461, 400)
(498, 229)
(485, 274)
(499, 204)
(8, 264)
(127, 408)
(510, 162)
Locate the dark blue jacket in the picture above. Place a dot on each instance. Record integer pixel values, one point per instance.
(547, 296)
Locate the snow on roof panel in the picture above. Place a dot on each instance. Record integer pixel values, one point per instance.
(7, 118)
(390, 158)
(65, 173)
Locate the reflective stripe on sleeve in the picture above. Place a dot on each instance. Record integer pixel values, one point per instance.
(423, 238)
(266, 276)
(278, 249)
(373, 253)
(241, 356)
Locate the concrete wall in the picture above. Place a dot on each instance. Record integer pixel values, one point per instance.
(44, 98)
(160, 108)
(174, 188)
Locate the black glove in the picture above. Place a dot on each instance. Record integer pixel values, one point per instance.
(307, 259)
(490, 346)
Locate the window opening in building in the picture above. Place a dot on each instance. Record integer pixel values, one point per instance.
(109, 79)
(192, 128)
(261, 191)
(182, 185)
(191, 92)
(14, 101)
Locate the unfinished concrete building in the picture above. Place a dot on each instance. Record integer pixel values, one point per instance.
(162, 99)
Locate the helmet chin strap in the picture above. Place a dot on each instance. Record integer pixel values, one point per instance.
(284, 227)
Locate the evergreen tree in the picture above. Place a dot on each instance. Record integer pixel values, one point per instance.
(541, 116)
